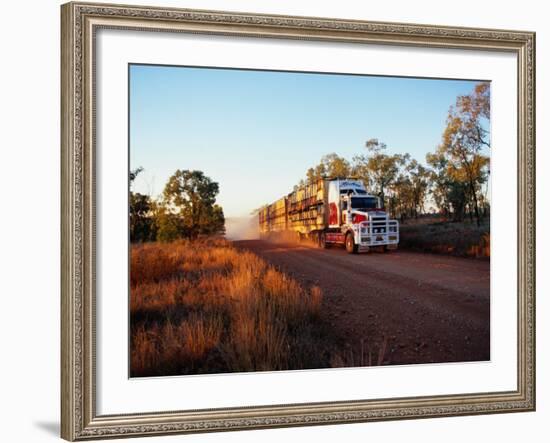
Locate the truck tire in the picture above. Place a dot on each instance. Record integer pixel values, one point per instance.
(322, 240)
(351, 247)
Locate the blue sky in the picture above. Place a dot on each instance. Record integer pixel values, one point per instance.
(257, 132)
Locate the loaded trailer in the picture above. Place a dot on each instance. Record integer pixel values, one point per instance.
(329, 212)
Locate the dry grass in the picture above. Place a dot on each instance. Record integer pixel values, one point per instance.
(463, 239)
(206, 307)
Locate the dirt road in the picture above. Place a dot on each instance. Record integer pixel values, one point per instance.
(403, 306)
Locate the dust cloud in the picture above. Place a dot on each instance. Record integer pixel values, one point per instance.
(242, 228)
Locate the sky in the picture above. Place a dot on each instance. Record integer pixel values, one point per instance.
(257, 132)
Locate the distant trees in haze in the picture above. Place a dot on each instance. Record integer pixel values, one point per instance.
(186, 209)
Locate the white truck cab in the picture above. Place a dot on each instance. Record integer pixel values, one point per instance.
(358, 218)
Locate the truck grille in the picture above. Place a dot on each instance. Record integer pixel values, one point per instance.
(378, 225)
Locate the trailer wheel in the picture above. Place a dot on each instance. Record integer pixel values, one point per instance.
(323, 240)
(351, 247)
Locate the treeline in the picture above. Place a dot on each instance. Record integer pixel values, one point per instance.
(186, 209)
(453, 176)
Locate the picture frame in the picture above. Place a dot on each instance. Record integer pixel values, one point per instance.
(80, 23)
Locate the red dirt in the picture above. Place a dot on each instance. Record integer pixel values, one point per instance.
(415, 307)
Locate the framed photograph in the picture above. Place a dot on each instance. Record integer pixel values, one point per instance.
(277, 221)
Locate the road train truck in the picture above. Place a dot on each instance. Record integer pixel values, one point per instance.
(329, 212)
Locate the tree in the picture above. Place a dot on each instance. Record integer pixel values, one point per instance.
(190, 196)
(330, 166)
(463, 141)
(142, 220)
(401, 197)
(135, 173)
(213, 221)
(439, 181)
(419, 179)
(407, 192)
(170, 226)
(378, 170)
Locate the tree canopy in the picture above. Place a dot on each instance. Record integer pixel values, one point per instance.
(459, 161)
(452, 178)
(186, 209)
(142, 223)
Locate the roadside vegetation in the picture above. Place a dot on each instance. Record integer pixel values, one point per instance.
(432, 234)
(451, 182)
(186, 209)
(202, 306)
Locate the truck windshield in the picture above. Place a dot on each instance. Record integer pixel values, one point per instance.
(364, 203)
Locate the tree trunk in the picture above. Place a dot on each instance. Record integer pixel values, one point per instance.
(474, 197)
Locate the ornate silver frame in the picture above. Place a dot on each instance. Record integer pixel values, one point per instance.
(79, 420)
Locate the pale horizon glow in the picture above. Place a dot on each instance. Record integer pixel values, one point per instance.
(257, 132)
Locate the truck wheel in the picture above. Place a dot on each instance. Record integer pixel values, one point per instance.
(323, 240)
(351, 247)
